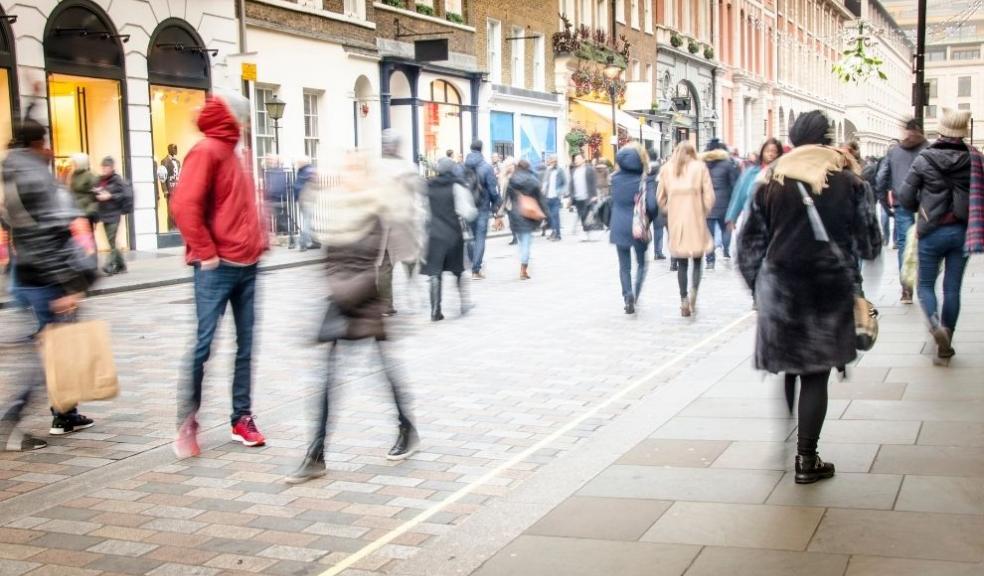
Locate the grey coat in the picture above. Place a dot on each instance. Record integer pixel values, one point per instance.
(894, 168)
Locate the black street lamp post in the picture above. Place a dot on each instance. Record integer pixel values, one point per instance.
(612, 72)
(275, 110)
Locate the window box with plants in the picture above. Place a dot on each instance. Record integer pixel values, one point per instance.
(692, 46)
(455, 18)
(593, 46)
(396, 3)
(675, 40)
(425, 9)
(709, 52)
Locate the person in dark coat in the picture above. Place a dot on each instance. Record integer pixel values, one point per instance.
(937, 191)
(805, 287)
(627, 183)
(524, 183)
(659, 222)
(110, 192)
(724, 176)
(353, 239)
(450, 207)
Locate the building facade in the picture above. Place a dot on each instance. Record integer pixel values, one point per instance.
(117, 79)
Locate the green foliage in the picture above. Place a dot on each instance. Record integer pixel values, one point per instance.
(395, 3)
(709, 52)
(455, 17)
(676, 41)
(425, 10)
(856, 64)
(692, 46)
(575, 139)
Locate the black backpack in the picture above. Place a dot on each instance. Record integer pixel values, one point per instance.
(474, 183)
(126, 200)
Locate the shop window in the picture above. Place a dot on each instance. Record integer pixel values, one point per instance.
(963, 87)
(538, 138)
(5, 108)
(502, 134)
(539, 64)
(172, 115)
(518, 69)
(442, 121)
(263, 129)
(493, 50)
(312, 144)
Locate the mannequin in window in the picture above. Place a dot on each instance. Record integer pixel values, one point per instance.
(168, 173)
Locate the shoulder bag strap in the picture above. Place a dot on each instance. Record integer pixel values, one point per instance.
(816, 223)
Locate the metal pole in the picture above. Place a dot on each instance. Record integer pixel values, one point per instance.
(611, 96)
(276, 135)
(919, 95)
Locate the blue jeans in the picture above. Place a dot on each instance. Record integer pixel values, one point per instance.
(713, 223)
(658, 229)
(886, 222)
(480, 229)
(214, 290)
(944, 245)
(553, 207)
(903, 220)
(631, 293)
(525, 240)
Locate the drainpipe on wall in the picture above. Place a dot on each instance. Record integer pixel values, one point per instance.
(242, 26)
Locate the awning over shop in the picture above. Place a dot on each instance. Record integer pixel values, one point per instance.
(628, 122)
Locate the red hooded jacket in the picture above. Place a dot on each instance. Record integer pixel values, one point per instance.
(214, 204)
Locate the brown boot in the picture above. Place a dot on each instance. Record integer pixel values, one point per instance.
(685, 307)
(524, 272)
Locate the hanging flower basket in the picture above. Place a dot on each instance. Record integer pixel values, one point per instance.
(692, 46)
(676, 41)
(709, 52)
(576, 139)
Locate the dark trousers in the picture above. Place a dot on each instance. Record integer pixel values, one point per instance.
(812, 408)
(384, 279)
(553, 207)
(400, 400)
(582, 213)
(476, 250)
(631, 293)
(115, 258)
(214, 291)
(712, 225)
(682, 265)
(942, 246)
(658, 228)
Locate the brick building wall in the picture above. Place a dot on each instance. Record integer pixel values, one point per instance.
(535, 18)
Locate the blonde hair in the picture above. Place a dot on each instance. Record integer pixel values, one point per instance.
(683, 155)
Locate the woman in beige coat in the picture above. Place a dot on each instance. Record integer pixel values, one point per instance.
(686, 195)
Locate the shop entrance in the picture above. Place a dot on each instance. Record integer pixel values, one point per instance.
(8, 81)
(84, 60)
(442, 121)
(178, 69)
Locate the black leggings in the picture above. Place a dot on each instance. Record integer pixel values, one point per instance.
(812, 408)
(682, 265)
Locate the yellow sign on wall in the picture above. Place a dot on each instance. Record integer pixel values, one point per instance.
(249, 71)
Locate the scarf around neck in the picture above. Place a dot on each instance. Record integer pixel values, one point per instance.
(810, 164)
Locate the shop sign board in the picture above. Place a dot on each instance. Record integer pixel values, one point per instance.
(249, 71)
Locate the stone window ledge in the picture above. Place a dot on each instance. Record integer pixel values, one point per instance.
(424, 17)
(319, 12)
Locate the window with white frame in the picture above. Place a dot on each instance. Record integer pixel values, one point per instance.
(518, 68)
(636, 70)
(602, 15)
(587, 9)
(647, 16)
(963, 87)
(568, 8)
(649, 73)
(263, 129)
(620, 11)
(312, 143)
(494, 50)
(634, 12)
(539, 63)
(354, 8)
(453, 7)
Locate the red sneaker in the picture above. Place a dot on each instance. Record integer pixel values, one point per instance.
(245, 431)
(186, 443)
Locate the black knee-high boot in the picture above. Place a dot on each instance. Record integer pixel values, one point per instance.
(435, 297)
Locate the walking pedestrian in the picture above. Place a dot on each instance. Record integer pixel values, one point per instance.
(724, 175)
(451, 208)
(353, 239)
(554, 186)
(748, 182)
(891, 177)
(52, 271)
(686, 196)
(584, 191)
(527, 212)
(480, 180)
(115, 199)
(83, 184)
(603, 172)
(506, 169)
(305, 175)
(800, 264)
(659, 222)
(628, 182)
(402, 233)
(938, 190)
(215, 209)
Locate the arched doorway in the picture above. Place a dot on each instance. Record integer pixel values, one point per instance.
(179, 74)
(686, 117)
(850, 131)
(402, 117)
(363, 111)
(443, 129)
(9, 104)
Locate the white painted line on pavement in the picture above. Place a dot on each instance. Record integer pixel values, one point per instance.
(395, 533)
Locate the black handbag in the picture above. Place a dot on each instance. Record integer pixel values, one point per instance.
(334, 325)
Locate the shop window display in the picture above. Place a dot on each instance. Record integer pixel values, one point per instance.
(442, 121)
(173, 113)
(86, 118)
(5, 107)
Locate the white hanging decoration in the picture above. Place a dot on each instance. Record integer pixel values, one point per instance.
(857, 64)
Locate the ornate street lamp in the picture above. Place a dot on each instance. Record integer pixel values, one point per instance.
(612, 72)
(275, 110)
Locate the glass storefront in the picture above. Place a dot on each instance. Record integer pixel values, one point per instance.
(5, 108)
(538, 138)
(87, 118)
(442, 121)
(173, 113)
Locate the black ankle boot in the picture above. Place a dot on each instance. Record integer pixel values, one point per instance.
(435, 298)
(406, 443)
(312, 467)
(810, 469)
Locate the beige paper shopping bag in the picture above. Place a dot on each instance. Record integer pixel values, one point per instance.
(78, 363)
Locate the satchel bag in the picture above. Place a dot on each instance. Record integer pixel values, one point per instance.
(529, 208)
(865, 313)
(641, 229)
(78, 363)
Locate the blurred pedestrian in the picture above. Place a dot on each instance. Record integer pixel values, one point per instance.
(480, 179)
(506, 169)
(305, 176)
(724, 175)
(800, 263)
(353, 239)
(891, 178)
(659, 222)
(277, 195)
(583, 191)
(451, 207)
(938, 189)
(748, 182)
(115, 199)
(83, 184)
(686, 196)
(215, 209)
(528, 210)
(554, 186)
(52, 270)
(402, 234)
(628, 182)
(603, 172)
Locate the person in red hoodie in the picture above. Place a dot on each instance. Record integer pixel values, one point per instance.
(215, 209)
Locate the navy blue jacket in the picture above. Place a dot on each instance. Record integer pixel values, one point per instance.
(490, 198)
(724, 176)
(625, 188)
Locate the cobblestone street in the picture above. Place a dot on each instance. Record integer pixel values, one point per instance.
(559, 436)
